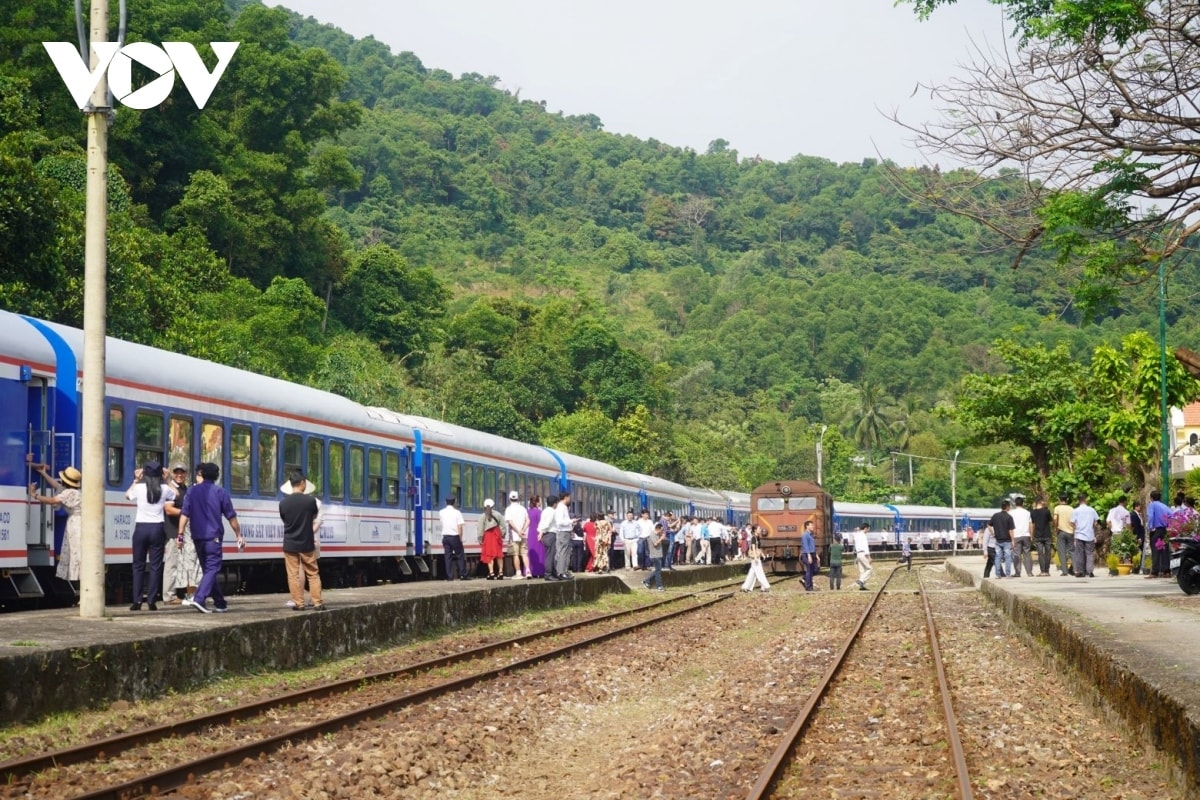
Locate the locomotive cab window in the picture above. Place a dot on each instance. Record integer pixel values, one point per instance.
(770, 504)
(116, 445)
(239, 459)
(148, 437)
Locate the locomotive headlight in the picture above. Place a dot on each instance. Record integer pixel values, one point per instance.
(785, 490)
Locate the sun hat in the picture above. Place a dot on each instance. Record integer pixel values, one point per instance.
(70, 477)
(514, 496)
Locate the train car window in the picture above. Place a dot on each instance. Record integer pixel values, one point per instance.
(148, 437)
(374, 476)
(468, 499)
(456, 481)
(116, 445)
(293, 452)
(181, 433)
(433, 474)
(501, 486)
(316, 463)
(337, 471)
(356, 473)
(391, 483)
(240, 439)
(268, 464)
(212, 444)
(489, 484)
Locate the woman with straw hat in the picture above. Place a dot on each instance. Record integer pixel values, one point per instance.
(71, 499)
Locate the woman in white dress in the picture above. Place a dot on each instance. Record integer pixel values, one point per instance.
(71, 499)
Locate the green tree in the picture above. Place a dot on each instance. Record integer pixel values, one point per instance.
(392, 304)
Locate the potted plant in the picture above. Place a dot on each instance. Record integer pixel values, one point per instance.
(1124, 547)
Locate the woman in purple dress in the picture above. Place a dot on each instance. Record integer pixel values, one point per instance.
(537, 553)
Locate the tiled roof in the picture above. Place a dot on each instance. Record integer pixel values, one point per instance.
(1191, 414)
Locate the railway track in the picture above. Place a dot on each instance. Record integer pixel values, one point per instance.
(840, 727)
(20, 771)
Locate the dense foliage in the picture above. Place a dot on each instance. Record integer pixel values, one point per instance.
(343, 216)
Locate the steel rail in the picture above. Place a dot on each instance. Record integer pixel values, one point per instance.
(956, 748)
(181, 774)
(774, 769)
(88, 751)
(783, 753)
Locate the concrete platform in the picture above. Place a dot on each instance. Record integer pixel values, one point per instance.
(53, 661)
(1136, 640)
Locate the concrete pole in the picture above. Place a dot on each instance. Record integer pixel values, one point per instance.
(821, 454)
(954, 501)
(95, 326)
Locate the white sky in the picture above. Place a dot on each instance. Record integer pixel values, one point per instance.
(775, 78)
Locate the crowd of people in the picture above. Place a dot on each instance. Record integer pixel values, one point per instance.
(1068, 536)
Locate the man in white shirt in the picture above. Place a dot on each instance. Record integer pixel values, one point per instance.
(862, 555)
(1118, 516)
(452, 543)
(645, 529)
(516, 519)
(1022, 537)
(629, 537)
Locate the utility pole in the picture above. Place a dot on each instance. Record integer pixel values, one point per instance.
(821, 453)
(954, 499)
(95, 328)
(1165, 444)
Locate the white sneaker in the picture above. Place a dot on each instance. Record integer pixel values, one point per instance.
(201, 607)
(290, 604)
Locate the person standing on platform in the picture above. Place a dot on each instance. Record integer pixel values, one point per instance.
(671, 528)
(1137, 521)
(453, 555)
(808, 555)
(563, 525)
(589, 542)
(1002, 530)
(182, 569)
(862, 555)
(629, 537)
(491, 538)
(1022, 537)
(1066, 534)
(536, 553)
(517, 520)
(1156, 523)
(645, 529)
(1085, 519)
(549, 539)
(149, 533)
(203, 507)
(906, 552)
(835, 563)
(1041, 519)
(301, 518)
(604, 531)
(71, 500)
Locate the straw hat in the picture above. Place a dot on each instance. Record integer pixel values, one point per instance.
(309, 487)
(70, 477)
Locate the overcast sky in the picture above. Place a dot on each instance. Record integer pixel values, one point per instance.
(775, 78)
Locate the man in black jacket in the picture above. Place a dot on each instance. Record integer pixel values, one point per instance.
(299, 513)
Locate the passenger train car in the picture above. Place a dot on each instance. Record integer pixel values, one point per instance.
(381, 475)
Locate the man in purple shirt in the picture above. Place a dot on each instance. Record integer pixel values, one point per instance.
(1156, 521)
(203, 507)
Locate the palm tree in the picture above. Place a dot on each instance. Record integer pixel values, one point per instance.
(870, 420)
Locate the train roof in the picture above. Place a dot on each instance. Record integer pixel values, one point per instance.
(20, 345)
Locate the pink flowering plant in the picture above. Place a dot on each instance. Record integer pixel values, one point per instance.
(1183, 522)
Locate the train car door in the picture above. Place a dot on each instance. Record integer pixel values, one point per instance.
(39, 533)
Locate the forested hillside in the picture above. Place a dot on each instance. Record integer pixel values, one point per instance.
(346, 217)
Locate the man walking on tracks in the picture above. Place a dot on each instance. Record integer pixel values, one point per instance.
(862, 555)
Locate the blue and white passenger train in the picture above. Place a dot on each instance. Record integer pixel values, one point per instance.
(381, 475)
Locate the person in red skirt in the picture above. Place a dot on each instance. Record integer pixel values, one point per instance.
(492, 540)
(589, 541)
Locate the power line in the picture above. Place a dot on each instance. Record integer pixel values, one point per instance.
(950, 460)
